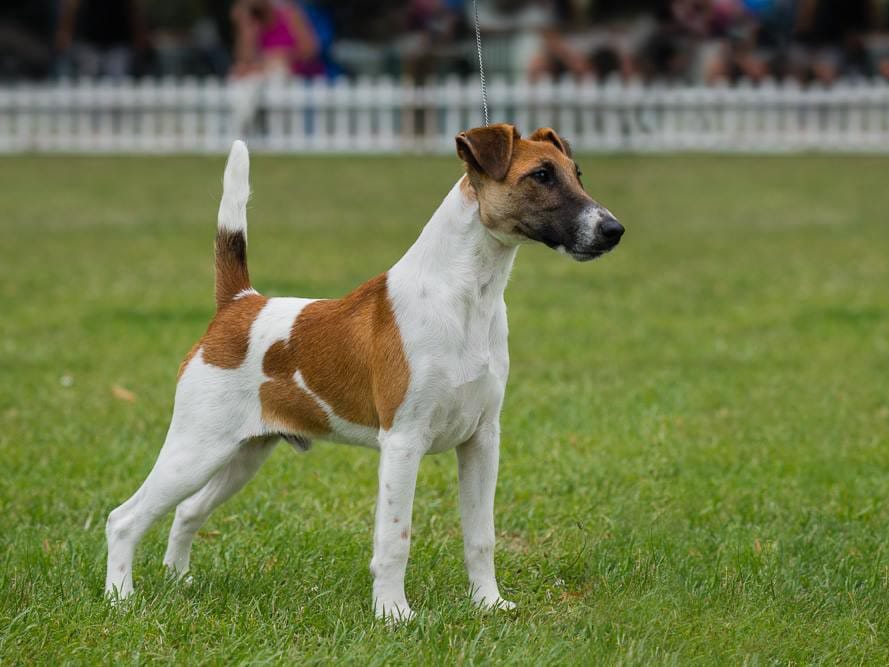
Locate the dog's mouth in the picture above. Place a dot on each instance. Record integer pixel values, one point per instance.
(606, 235)
(577, 247)
(589, 254)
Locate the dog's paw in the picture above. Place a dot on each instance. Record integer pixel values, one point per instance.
(493, 603)
(118, 598)
(505, 605)
(178, 574)
(393, 613)
(184, 580)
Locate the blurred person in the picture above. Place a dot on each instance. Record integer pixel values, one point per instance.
(775, 25)
(431, 44)
(556, 54)
(832, 39)
(758, 36)
(883, 64)
(186, 37)
(878, 40)
(436, 16)
(372, 21)
(670, 50)
(274, 37)
(735, 53)
(878, 47)
(586, 37)
(106, 38)
(321, 19)
(25, 37)
(514, 33)
(653, 40)
(367, 35)
(273, 40)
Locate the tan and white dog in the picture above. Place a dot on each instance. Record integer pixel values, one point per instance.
(413, 362)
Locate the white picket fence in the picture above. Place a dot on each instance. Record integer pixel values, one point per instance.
(383, 115)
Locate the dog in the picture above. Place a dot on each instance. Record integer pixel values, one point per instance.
(412, 362)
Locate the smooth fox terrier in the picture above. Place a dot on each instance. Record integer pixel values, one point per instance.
(413, 362)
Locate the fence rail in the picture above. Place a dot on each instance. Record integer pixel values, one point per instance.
(382, 115)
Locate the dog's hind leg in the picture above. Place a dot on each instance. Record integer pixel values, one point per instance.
(187, 461)
(194, 510)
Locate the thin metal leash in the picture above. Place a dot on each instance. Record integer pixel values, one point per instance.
(481, 64)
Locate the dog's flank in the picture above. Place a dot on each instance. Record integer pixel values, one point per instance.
(349, 354)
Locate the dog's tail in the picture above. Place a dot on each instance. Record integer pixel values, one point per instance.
(232, 277)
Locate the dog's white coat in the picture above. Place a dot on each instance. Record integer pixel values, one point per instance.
(447, 297)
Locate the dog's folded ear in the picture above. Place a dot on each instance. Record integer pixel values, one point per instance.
(549, 134)
(488, 150)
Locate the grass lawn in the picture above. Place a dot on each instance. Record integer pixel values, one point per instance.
(695, 457)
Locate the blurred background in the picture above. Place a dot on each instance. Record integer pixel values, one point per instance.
(638, 74)
(672, 40)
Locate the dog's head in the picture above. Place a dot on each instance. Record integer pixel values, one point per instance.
(530, 190)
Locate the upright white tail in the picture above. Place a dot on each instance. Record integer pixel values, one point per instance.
(235, 189)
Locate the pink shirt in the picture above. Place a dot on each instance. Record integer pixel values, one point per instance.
(279, 36)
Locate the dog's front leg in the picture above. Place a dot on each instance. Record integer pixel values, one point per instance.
(399, 463)
(477, 461)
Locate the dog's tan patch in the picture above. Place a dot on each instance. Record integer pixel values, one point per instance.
(529, 153)
(228, 336)
(349, 353)
(287, 406)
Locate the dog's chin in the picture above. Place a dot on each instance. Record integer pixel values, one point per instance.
(586, 256)
(591, 253)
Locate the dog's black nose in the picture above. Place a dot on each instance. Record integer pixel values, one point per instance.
(611, 229)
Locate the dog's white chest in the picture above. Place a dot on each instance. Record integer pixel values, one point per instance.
(459, 374)
(459, 411)
(447, 296)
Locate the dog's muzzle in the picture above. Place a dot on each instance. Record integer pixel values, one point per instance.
(598, 232)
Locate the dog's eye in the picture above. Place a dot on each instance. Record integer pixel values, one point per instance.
(542, 176)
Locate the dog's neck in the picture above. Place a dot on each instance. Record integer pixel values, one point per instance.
(456, 254)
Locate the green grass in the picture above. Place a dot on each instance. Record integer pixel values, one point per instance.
(695, 458)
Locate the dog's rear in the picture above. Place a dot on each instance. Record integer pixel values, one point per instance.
(246, 383)
(208, 453)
